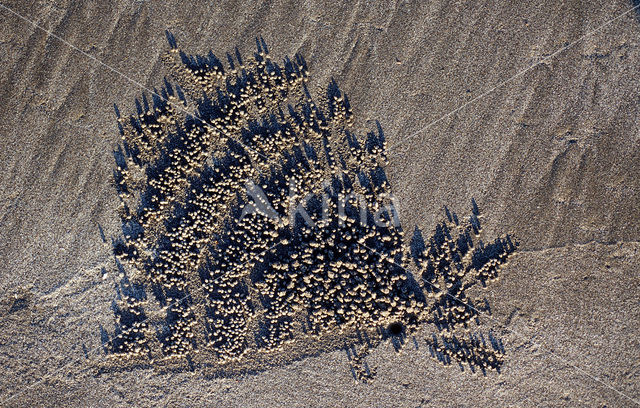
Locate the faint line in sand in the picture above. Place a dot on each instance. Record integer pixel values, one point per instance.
(519, 74)
(529, 340)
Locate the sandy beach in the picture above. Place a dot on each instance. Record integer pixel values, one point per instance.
(529, 110)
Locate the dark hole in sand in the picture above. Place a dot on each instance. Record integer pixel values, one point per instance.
(395, 328)
(18, 305)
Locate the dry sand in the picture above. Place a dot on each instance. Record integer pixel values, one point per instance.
(552, 157)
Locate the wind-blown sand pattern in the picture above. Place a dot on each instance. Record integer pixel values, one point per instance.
(258, 229)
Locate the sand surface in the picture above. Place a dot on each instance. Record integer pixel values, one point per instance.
(551, 155)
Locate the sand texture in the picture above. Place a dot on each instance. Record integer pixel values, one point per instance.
(496, 142)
